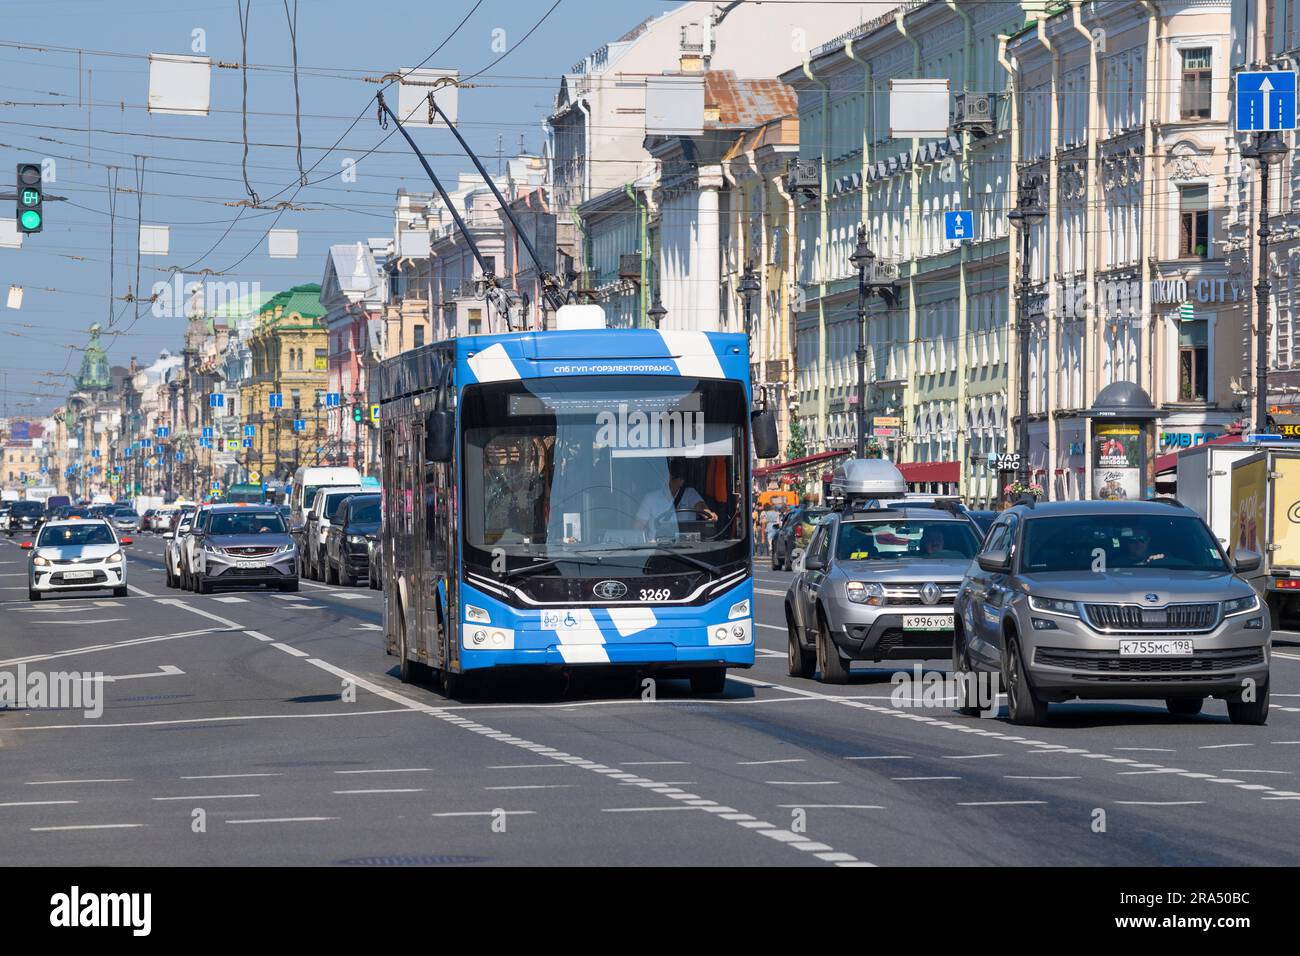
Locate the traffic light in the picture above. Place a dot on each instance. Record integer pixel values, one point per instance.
(30, 215)
(356, 414)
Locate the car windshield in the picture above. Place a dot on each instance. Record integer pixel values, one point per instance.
(565, 466)
(894, 540)
(365, 511)
(22, 508)
(246, 522)
(334, 502)
(1099, 542)
(125, 513)
(72, 535)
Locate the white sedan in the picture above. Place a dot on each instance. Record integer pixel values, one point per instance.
(76, 555)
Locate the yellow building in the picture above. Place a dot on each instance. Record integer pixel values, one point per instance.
(290, 358)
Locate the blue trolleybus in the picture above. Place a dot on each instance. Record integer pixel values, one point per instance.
(566, 499)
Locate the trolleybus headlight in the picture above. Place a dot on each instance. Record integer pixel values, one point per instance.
(480, 637)
(739, 609)
(738, 632)
(720, 633)
(476, 614)
(498, 637)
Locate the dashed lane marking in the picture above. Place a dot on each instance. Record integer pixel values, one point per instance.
(284, 820)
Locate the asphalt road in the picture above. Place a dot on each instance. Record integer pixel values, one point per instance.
(261, 728)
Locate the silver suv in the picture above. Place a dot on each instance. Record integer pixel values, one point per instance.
(1104, 599)
(877, 584)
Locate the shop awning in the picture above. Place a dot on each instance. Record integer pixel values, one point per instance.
(922, 472)
(1169, 462)
(796, 463)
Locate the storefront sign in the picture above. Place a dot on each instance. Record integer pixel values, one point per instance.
(1117, 461)
(1178, 291)
(1185, 439)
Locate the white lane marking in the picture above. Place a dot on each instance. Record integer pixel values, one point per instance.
(384, 692)
(1283, 772)
(654, 763)
(1159, 803)
(1002, 803)
(770, 591)
(258, 635)
(210, 796)
(970, 756)
(164, 670)
(96, 725)
(352, 596)
(924, 778)
(829, 806)
(801, 783)
(882, 757)
(382, 790)
(92, 826)
(140, 591)
(760, 763)
(288, 597)
(531, 766)
(231, 599)
(284, 820)
(487, 813)
(119, 604)
(536, 786)
(1154, 750)
(393, 770)
(289, 650)
(646, 809)
(367, 627)
(98, 620)
(1012, 776)
(1223, 746)
(36, 803)
(1290, 657)
(231, 776)
(45, 783)
(223, 621)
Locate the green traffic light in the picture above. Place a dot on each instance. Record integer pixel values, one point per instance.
(31, 220)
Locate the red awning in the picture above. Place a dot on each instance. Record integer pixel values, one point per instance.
(921, 472)
(1169, 462)
(799, 462)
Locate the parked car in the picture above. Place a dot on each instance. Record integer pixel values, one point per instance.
(1114, 599)
(795, 532)
(5, 507)
(318, 519)
(76, 556)
(346, 556)
(243, 544)
(173, 546)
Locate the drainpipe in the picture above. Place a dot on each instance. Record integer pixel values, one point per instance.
(963, 326)
(1150, 251)
(911, 400)
(1013, 71)
(641, 234)
(1047, 379)
(1091, 225)
(585, 110)
(737, 251)
(786, 331)
(823, 239)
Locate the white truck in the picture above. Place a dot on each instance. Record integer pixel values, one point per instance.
(1264, 517)
(10, 494)
(39, 493)
(1205, 483)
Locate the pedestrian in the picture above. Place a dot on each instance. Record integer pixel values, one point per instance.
(771, 520)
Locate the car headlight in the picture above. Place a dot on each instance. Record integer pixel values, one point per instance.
(356, 539)
(1242, 605)
(113, 558)
(40, 562)
(866, 593)
(1053, 605)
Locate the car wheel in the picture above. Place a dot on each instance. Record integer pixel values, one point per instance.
(332, 575)
(1184, 706)
(710, 680)
(963, 674)
(120, 592)
(1024, 707)
(33, 595)
(802, 661)
(346, 577)
(834, 669)
(1252, 713)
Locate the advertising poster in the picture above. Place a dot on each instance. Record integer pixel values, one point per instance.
(1117, 461)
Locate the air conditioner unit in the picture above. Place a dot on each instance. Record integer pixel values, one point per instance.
(976, 112)
(805, 175)
(629, 266)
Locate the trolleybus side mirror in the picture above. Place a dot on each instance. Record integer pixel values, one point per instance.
(766, 442)
(439, 429)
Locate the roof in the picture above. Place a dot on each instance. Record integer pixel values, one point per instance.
(302, 299)
(782, 131)
(745, 103)
(1064, 509)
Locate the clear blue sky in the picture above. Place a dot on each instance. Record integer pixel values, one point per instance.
(339, 41)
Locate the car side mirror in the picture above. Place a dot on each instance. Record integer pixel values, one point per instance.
(297, 528)
(762, 426)
(168, 536)
(1245, 561)
(27, 546)
(811, 563)
(996, 561)
(439, 431)
(311, 516)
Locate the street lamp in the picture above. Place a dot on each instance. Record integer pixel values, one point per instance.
(748, 288)
(1268, 150)
(863, 259)
(656, 312)
(1027, 214)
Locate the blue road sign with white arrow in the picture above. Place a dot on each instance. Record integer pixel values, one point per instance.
(217, 400)
(959, 225)
(1266, 100)
(299, 424)
(250, 431)
(333, 399)
(276, 400)
(207, 431)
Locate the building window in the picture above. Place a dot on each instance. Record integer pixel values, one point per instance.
(475, 322)
(1195, 101)
(1194, 222)
(419, 336)
(297, 399)
(322, 359)
(1193, 361)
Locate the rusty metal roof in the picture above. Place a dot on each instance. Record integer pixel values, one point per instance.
(742, 104)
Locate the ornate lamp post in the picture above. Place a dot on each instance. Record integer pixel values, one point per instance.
(1027, 214)
(863, 260)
